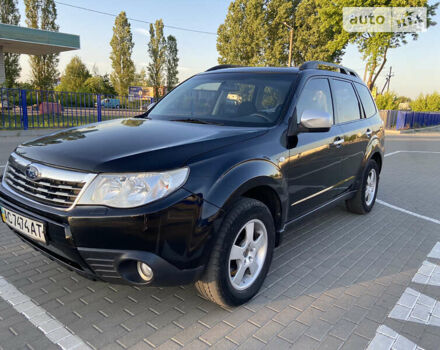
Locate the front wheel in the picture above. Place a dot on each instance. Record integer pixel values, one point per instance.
(241, 256)
(365, 197)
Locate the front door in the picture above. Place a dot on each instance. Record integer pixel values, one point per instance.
(315, 162)
(348, 113)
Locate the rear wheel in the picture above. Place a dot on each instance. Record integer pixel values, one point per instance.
(365, 197)
(241, 256)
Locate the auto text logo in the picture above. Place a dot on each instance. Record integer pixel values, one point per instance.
(384, 19)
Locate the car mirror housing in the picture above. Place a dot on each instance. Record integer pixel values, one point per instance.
(315, 121)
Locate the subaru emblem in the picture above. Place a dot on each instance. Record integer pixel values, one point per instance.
(32, 173)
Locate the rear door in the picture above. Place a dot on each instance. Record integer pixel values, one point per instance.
(349, 116)
(315, 161)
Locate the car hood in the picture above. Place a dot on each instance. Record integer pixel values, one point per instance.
(132, 144)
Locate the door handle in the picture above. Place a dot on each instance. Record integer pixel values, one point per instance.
(368, 132)
(338, 141)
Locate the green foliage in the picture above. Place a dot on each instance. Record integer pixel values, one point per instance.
(240, 37)
(171, 63)
(9, 14)
(426, 103)
(374, 47)
(74, 77)
(99, 84)
(140, 78)
(122, 48)
(387, 101)
(318, 33)
(157, 53)
(254, 34)
(42, 14)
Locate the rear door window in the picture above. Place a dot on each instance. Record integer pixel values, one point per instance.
(346, 101)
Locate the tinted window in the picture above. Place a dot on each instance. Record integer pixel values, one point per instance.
(366, 99)
(315, 96)
(346, 102)
(228, 98)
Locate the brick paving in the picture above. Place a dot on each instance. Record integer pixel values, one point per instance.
(332, 285)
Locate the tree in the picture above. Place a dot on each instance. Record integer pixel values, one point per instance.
(157, 53)
(122, 48)
(9, 14)
(140, 78)
(387, 101)
(375, 46)
(318, 33)
(172, 62)
(326, 28)
(276, 44)
(99, 84)
(74, 77)
(42, 14)
(241, 37)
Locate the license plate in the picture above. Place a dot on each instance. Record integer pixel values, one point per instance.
(30, 228)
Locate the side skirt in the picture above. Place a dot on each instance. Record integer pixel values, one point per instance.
(289, 225)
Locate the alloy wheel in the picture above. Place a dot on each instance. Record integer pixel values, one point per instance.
(370, 188)
(248, 254)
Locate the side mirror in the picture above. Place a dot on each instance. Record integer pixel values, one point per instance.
(315, 121)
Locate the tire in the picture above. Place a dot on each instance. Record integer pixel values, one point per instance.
(218, 282)
(362, 202)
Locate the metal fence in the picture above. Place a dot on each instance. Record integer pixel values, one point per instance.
(23, 109)
(29, 109)
(409, 120)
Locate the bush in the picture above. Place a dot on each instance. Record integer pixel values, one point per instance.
(426, 103)
(387, 101)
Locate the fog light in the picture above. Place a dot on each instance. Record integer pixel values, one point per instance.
(145, 271)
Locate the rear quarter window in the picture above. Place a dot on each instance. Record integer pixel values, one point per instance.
(367, 100)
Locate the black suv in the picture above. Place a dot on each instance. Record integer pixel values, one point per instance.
(202, 187)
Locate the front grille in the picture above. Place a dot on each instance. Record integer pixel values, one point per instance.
(54, 187)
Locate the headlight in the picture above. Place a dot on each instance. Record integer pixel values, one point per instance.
(132, 190)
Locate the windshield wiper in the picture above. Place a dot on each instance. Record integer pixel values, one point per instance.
(196, 121)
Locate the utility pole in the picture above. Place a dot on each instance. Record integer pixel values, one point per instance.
(387, 81)
(291, 43)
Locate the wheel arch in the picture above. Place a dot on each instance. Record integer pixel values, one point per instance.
(260, 180)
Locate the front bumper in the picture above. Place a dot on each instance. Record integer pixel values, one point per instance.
(106, 244)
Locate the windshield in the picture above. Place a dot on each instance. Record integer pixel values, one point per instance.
(238, 99)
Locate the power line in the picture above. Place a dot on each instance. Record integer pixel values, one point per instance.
(134, 19)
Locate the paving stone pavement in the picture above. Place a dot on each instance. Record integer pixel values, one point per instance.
(332, 284)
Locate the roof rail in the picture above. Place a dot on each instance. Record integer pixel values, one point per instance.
(316, 64)
(223, 66)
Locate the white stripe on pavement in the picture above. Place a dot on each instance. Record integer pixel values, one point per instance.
(416, 307)
(54, 330)
(392, 153)
(428, 274)
(427, 218)
(403, 151)
(412, 306)
(435, 252)
(386, 338)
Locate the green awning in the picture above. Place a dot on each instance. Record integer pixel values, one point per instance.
(35, 41)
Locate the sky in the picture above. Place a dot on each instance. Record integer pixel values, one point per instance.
(416, 65)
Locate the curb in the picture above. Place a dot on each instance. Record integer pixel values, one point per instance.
(435, 128)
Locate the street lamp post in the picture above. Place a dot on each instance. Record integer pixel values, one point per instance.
(291, 43)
